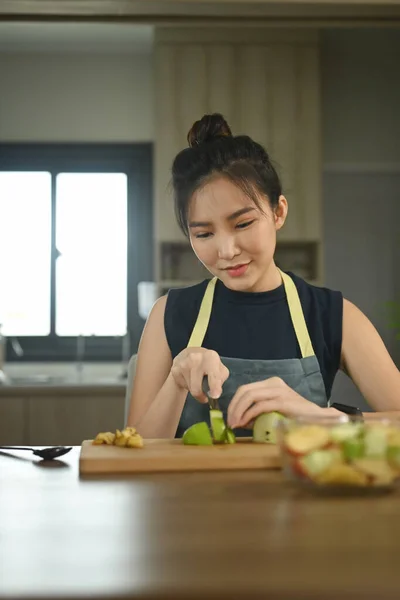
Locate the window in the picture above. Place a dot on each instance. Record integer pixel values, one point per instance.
(74, 220)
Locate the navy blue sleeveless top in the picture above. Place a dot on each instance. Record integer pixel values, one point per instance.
(258, 325)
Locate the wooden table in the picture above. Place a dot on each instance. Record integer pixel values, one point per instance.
(190, 536)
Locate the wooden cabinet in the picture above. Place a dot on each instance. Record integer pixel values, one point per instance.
(266, 83)
(62, 416)
(70, 419)
(12, 420)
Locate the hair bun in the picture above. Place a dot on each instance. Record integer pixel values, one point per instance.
(209, 128)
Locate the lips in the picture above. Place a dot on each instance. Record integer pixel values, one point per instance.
(237, 270)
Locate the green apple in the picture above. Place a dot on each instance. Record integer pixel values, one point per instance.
(264, 429)
(345, 431)
(376, 441)
(353, 448)
(229, 436)
(198, 435)
(318, 461)
(217, 425)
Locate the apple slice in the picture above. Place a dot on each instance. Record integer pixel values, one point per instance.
(264, 429)
(393, 456)
(353, 448)
(197, 435)
(307, 438)
(229, 436)
(345, 431)
(342, 474)
(377, 469)
(318, 461)
(217, 425)
(375, 441)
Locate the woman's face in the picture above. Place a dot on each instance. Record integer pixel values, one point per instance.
(232, 237)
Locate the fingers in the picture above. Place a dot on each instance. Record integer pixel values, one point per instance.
(195, 383)
(192, 365)
(264, 406)
(249, 395)
(253, 392)
(217, 375)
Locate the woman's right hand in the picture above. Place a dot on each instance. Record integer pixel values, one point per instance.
(190, 367)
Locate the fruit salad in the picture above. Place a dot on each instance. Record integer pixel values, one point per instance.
(352, 453)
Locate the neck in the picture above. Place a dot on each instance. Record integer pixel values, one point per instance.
(270, 280)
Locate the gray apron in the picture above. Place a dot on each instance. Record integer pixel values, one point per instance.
(303, 375)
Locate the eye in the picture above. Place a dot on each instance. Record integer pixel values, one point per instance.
(202, 236)
(244, 225)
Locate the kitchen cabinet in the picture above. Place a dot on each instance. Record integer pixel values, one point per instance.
(64, 415)
(12, 420)
(266, 83)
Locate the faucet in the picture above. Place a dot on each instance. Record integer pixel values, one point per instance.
(16, 346)
(125, 354)
(2, 356)
(80, 353)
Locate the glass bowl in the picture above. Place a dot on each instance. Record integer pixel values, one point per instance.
(341, 454)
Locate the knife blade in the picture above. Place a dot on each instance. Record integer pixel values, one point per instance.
(228, 436)
(212, 402)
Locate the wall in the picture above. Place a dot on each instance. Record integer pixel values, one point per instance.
(76, 97)
(361, 184)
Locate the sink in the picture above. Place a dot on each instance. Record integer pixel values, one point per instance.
(37, 380)
(61, 380)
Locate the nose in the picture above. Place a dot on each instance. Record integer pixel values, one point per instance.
(227, 247)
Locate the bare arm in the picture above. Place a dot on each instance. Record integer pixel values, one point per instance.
(366, 360)
(157, 402)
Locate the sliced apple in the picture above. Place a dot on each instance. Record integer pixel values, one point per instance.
(342, 474)
(318, 461)
(377, 469)
(265, 427)
(345, 431)
(393, 456)
(307, 438)
(393, 437)
(217, 425)
(229, 436)
(198, 435)
(353, 448)
(375, 441)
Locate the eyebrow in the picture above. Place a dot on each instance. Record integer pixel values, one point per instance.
(231, 217)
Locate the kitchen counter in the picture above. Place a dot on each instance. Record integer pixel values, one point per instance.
(63, 388)
(232, 534)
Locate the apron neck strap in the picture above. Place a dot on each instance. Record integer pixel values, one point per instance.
(295, 309)
(203, 318)
(297, 316)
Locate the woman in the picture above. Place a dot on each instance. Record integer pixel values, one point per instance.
(266, 340)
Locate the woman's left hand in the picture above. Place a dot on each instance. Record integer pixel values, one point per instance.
(267, 396)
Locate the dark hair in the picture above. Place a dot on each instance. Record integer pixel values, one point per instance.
(213, 150)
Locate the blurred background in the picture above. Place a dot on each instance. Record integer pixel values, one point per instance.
(93, 108)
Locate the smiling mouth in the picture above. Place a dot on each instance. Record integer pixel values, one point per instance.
(235, 267)
(237, 270)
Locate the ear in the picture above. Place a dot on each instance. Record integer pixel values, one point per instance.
(280, 212)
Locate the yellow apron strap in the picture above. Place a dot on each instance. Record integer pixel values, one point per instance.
(203, 318)
(296, 313)
(297, 316)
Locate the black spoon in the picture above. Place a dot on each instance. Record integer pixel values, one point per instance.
(45, 453)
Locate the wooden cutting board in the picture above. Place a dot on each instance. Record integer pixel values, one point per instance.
(172, 455)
